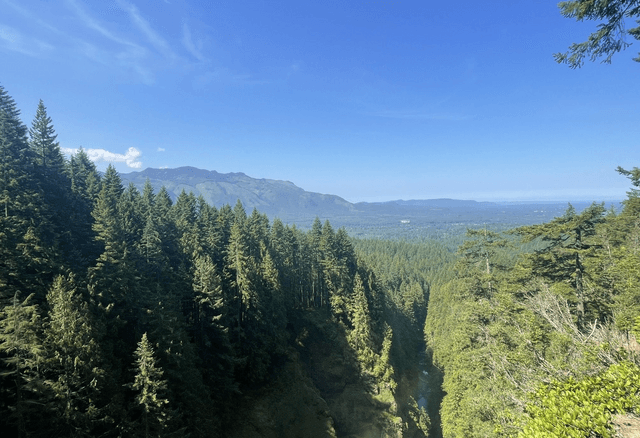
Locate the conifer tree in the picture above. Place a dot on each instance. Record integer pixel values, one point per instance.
(281, 242)
(150, 390)
(131, 220)
(46, 149)
(192, 407)
(184, 216)
(55, 186)
(85, 179)
(74, 358)
(114, 280)
(211, 334)
(568, 242)
(258, 232)
(238, 265)
(360, 336)
(22, 354)
(479, 260)
(24, 258)
(148, 200)
(166, 227)
(207, 286)
(154, 261)
(383, 369)
(209, 234)
(85, 186)
(314, 238)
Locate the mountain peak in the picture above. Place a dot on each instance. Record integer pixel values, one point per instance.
(273, 197)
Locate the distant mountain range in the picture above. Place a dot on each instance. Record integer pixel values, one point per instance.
(269, 196)
(292, 204)
(274, 197)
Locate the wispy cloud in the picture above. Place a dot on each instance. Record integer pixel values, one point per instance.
(94, 24)
(26, 13)
(98, 155)
(143, 26)
(14, 40)
(119, 36)
(161, 149)
(129, 54)
(188, 43)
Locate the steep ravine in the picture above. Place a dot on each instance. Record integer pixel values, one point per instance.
(318, 391)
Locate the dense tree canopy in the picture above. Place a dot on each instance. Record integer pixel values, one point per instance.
(127, 314)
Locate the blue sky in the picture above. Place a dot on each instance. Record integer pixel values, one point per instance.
(369, 100)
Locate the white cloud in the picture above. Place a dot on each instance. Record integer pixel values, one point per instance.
(97, 155)
(26, 13)
(143, 26)
(188, 43)
(92, 23)
(128, 54)
(161, 149)
(14, 40)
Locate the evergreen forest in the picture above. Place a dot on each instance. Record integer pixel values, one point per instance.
(126, 314)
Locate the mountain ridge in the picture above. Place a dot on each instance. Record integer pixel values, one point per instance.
(271, 196)
(294, 205)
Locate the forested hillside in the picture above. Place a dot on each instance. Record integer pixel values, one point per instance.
(125, 314)
(536, 333)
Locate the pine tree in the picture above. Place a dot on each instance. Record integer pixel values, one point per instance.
(23, 359)
(212, 338)
(282, 243)
(85, 179)
(148, 200)
(360, 336)
(75, 371)
(166, 227)
(54, 183)
(114, 280)
(209, 234)
(568, 242)
(46, 149)
(183, 214)
(383, 369)
(85, 186)
(238, 264)
(25, 261)
(192, 408)
(479, 260)
(314, 238)
(131, 220)
(155, 263)
(150, 390)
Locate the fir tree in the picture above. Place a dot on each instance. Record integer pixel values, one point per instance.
(24, 258)
(150, 390)
(23, 359)
(55, 188)
(74, 366)
(44, 145)
(360, 336)
(567, 243)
